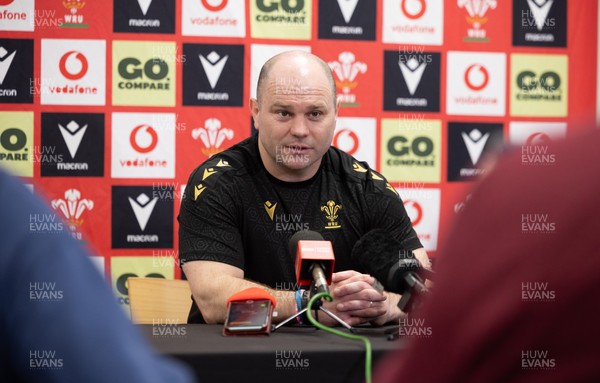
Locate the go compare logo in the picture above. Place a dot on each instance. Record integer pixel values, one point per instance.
(281, 19)
(16, 142)
(539, 85)
(133, 74)
(411, 154)
(144, 73)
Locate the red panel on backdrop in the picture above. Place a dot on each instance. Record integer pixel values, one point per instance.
(183, 68)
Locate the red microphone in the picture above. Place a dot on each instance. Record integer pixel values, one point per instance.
(314, 259)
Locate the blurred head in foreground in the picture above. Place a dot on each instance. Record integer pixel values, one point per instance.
(59, 321)
(518, 284)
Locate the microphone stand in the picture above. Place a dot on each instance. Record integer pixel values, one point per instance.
(410, 299)
(318, 306)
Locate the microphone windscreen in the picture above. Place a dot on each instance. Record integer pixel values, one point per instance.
(376, 252)
(383, 256)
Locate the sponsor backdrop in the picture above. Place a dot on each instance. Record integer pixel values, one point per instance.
(107, 106)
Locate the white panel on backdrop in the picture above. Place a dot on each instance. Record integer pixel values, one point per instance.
(423, 208)
(476, 84)
(356, 136)
(536, 133)
(17, 15)
(417, 22)
(73, 72)
(260, 53)
(143, 145)
(219, 18)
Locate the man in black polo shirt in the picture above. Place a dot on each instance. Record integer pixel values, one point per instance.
(243, 205)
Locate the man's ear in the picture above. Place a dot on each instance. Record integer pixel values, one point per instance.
(253, 104)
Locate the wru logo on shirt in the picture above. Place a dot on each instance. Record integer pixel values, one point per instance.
(331, 214)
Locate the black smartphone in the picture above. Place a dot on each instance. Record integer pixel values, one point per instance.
(248, 317)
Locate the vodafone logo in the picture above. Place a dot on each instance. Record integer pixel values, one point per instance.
(140, 150)
(476, 77)
(414, 211)
(208, 4)
(346, 140)
(75, 73)
(222, 18)
(413, 9)
(538, 139)
(145, 146)
(481, 90)
(69, 67)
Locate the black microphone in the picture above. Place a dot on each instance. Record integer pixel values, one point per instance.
(383, 257)
(314, 259)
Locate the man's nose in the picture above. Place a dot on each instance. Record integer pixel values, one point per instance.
(299, 127)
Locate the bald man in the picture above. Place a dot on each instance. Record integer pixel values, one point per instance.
(243, 204)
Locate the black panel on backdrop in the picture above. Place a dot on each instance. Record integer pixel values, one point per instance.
(142, 217)
(213, 75)
(542, 25)
(16, 71)
(155, 16)
(72, 145)
(347, 19)
(411, 80)
(468, 146)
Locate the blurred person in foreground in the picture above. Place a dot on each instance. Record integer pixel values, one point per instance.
(518, 283)
(59, 321)
(243, 205)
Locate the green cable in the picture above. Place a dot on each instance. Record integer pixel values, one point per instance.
(366, 340)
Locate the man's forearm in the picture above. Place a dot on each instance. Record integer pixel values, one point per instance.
(212, 302)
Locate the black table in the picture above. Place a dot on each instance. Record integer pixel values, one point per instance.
(292, 354)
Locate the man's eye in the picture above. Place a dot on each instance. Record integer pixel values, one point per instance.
(283, 113)
(315, 114)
